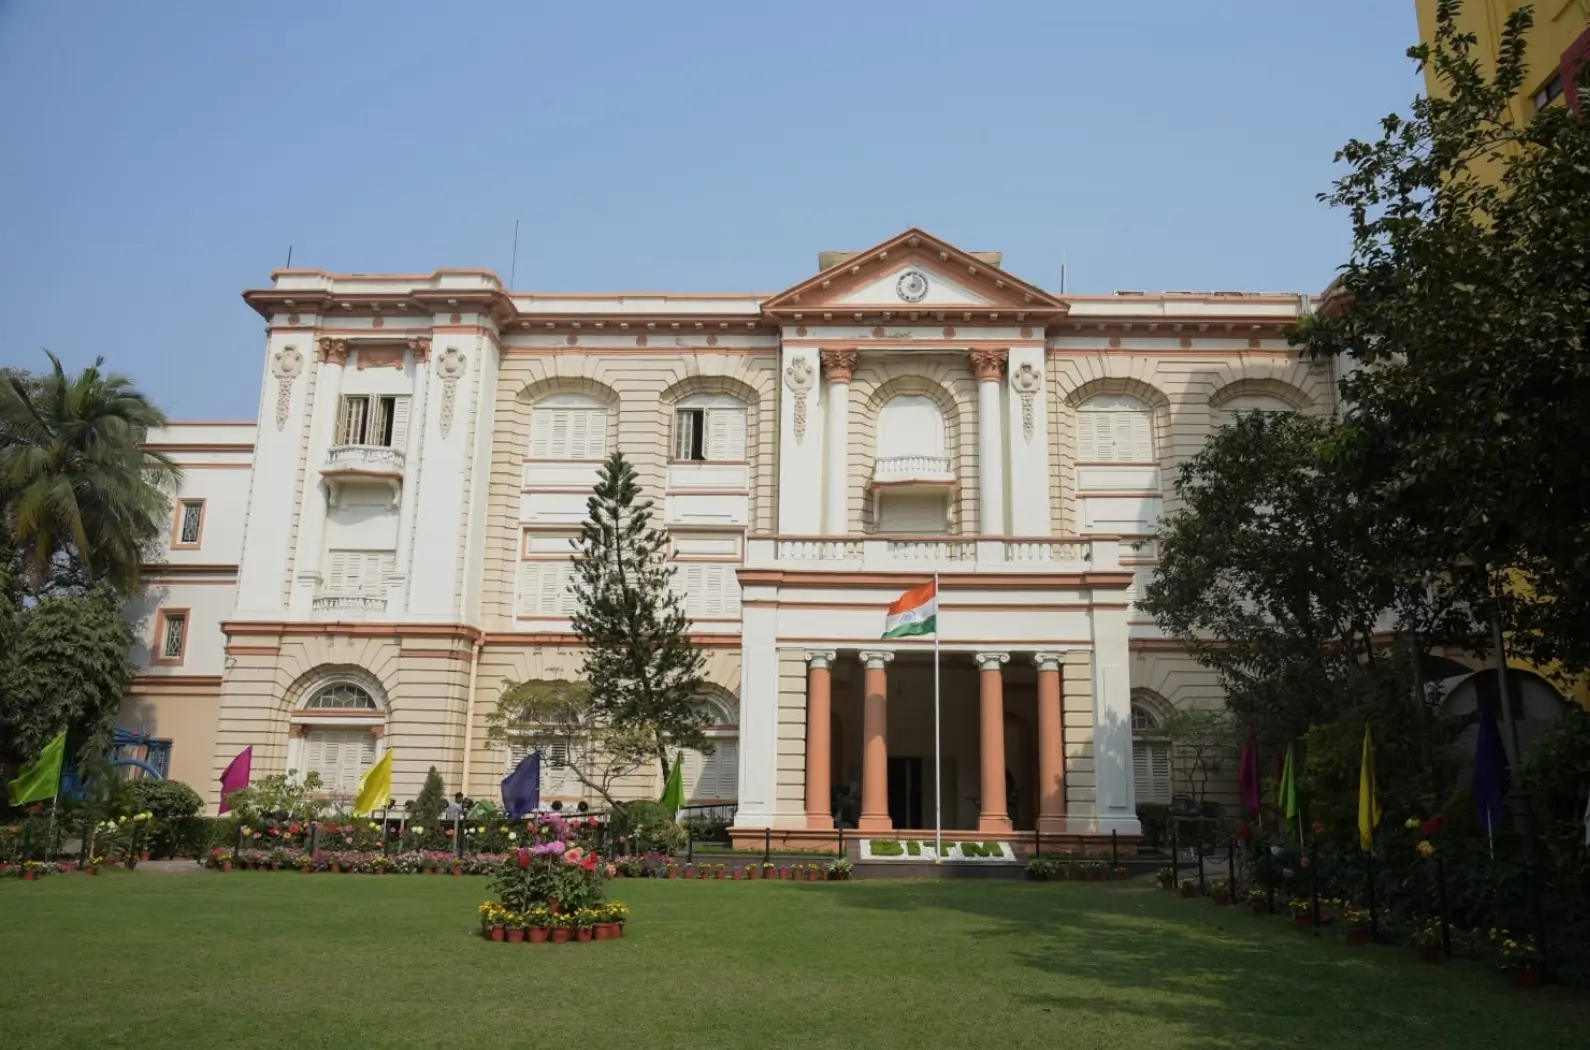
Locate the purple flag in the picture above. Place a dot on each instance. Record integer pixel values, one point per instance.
(1491, 779)
(521, 789)
(236, 776)
(1248, 775)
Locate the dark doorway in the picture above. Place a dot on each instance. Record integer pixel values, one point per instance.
(905, 792)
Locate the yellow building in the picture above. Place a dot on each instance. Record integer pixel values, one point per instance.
(1557, 45)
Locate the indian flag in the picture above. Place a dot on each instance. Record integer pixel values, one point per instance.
(914, 612)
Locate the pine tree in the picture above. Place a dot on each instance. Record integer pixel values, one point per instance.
(645, 676)
(430, 804)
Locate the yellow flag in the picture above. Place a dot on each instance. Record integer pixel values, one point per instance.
(1368, 804)
(375, 787)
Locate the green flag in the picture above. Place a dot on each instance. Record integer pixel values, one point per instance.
(673, 795)
(1286, 795)
(41, 778)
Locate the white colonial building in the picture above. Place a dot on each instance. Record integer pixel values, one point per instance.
(363, 566)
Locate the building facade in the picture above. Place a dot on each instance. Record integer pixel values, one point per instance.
(1558, 47)
(365, 565)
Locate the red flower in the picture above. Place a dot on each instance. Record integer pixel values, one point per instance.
(588, 864)
(1319, 828)
(1434, 826)
(449, 832)
(593, 822)
(292, 829)
(1244, 831)
(524, 857)
(35, 809)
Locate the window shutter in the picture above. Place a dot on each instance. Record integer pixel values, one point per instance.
(1140, 443)
(568, 601)
(695, 765)
(684, 429)
(1159, 768)
(356, 412)
(377, 426)
(1142, 782)
(529, 584)
(343, 411)
(542, 424)
(595, 444)
(1574, 59)
(1088, 436)
(720, 771)
(364, 752)
(400, 423)
(725, 434)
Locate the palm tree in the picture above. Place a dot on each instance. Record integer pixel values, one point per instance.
(75, 480)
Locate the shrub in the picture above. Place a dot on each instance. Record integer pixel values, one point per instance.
(648, 828)
(167, 800)
(886, 848)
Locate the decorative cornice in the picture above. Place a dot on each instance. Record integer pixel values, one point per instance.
(988, 364)
(839, 364)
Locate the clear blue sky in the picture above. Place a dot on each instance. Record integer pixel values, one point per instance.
(159, 157)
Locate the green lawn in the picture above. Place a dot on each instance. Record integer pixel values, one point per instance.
(283, 960)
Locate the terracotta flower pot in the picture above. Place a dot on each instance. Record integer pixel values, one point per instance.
(1189, 892)
(143, 855)
(515, 936)
(91, 870)
(606, 931)
(1305, 920)
(335, 867)
(537, 935)
(1526, 976)
(497, 933)
(226, 865)
(1431, 953)
(560, 935)
(717, 874)
(1357, 938)
(457, 872)
(1260, 908)
(30, 876)
(1222, 900)
(584, 934)
(672, 873)
(276, 865)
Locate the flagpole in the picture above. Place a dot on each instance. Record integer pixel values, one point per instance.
(938, 765)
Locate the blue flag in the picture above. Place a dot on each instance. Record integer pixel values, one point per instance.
(1491, 780)
(521, 789)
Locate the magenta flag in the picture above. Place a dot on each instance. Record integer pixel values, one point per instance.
(1248, 775)
(236, 776)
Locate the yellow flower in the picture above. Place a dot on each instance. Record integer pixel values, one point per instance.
(1411, 823)
(1426, 849)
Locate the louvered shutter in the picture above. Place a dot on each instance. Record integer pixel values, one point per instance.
(695, 763)
(720, 771)
(568, 601)
(362, 750)
(1151, 770)
(314, 757)
(343, 410)
(1139, 436)
(400, 423)
(542, 426)
(529, 584)
(356, 412)
(684, 433)
(1141, 781)
(594, 445)
(336, 574)
(725, 434)
(1088, 443)
(1159, 769)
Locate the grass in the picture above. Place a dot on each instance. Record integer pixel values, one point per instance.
(279, 960)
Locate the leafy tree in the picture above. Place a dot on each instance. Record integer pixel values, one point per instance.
(643, 672)
(167, 800)
(67, 669)
(430, 803)
(1206, 743)
(301, 797)
(75, 482)
(1467, 303)
(558, 717)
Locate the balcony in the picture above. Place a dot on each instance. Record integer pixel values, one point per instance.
(917, 554)
(359, 604)
(363, 464)
(912, 472)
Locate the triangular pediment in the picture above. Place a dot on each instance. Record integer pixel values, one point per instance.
(915, 272)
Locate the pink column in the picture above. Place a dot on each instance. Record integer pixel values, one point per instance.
(993, 817)
(1051, 746)
(875, 743)
(819, 736)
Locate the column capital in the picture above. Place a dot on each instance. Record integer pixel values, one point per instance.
(875, 659)
(988, 364)
(1048, 661)
(421, 346)
(992, 661)
(332, 351)
(839, 364)
(820, 659)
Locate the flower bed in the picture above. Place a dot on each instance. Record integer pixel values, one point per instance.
(33, 870)
(919, 850)
(551, 892)
(1061, 867)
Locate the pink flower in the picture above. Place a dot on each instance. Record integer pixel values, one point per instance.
(574, 856)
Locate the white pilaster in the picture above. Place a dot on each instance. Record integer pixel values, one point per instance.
(285, 389)
(836, 472)
(1027, 441)
(759, 702)
(452, 383)
(1112, 718)
(332, 356)
(990, 442)
(419, 363)
(800, 444)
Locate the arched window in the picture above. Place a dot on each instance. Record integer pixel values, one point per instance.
(1114, 428)
(1150, 755)
(568, 426)
(714, 778)
(1250, 403)
(911, 470)
(341, 696)
(709, 427)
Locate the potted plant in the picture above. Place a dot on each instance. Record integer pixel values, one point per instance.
(1220, 890)
(739, 875)
(769, 870)
(1520, 959)
(1119, 873)
(617, 916)
(1356, 921)
(1189, 888)
(585, 925)
(93, 865)
(1259, 901)
(1426, 940)
(558, 928)
(306, 864)
(1167, 878)
(673, 870)
(537, 925)
(515, 921)
(30, 870)
(839, 868)
(1302, 911)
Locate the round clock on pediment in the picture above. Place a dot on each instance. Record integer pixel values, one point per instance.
(912, 287)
